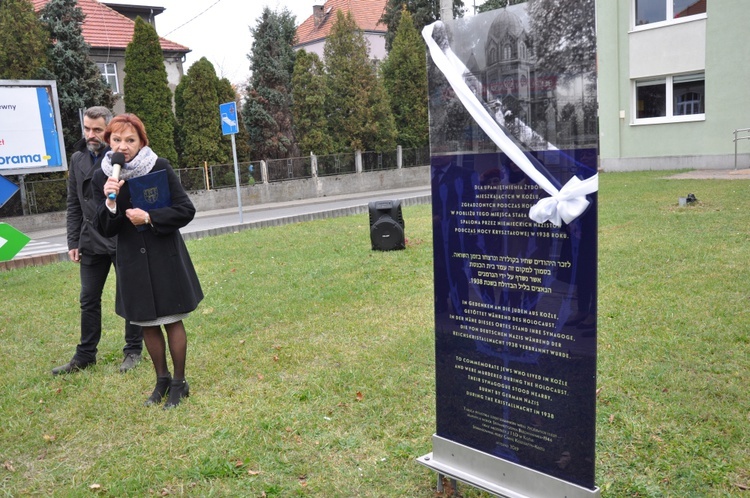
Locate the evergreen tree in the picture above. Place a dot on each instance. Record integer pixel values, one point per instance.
(359, 115)
(379, 133)
(79, 81)
(405, 79)
(225, 93)
(423, 12)
(565, 34)
(228, 93)
(147, 92)
(308, 111)
(179, 112)
(201, 123)
(267, 110)
(565, 46)
(23, 41)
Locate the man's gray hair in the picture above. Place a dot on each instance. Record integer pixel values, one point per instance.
(97, 112)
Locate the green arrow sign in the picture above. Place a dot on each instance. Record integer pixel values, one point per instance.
(11, 241)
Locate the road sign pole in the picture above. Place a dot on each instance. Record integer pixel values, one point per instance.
(230, 126)
(237, 176)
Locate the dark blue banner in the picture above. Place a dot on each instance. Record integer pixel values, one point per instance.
(515, 298)
(515, 316)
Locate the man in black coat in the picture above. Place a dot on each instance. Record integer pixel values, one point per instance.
(94, 252)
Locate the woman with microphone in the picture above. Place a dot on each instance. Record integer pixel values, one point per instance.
(157, 285)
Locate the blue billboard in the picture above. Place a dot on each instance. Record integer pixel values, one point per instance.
(31, 138)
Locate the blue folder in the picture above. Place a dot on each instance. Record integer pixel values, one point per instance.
(149, 192)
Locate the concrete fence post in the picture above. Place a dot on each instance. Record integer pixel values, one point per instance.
(313, 165)
(358, 161)
(264, 171)
(24, 195)
(399, 157)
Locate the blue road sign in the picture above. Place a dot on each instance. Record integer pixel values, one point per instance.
(7, 189)
(228, 113)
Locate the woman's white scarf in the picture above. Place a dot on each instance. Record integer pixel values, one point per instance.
(139, 166)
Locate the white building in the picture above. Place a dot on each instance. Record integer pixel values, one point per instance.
(673, 77)
(312, 33)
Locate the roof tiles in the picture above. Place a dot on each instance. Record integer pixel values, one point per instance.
(107, 28)
(366, 14)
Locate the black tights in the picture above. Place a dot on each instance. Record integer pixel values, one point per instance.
(156, 346)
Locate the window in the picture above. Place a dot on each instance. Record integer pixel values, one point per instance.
(684, 8)
(507, 52)
(651, 11)
(669, 99)
(109, 73)
(651, 98)
(688, 103)
(689, 94)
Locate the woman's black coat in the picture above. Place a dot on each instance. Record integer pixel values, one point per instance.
(155, 276)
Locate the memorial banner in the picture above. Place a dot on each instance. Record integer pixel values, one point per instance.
(513, 136)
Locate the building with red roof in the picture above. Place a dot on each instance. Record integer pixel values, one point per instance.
(108, 29)
(312, 33)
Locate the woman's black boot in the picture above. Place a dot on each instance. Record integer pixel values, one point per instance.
(161, 390)
(178, 389)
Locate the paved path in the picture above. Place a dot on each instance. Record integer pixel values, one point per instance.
(713, 174)
(48, 246)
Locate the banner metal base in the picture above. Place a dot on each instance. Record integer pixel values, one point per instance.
(496, 475)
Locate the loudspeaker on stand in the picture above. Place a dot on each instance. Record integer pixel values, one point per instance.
(386, 225)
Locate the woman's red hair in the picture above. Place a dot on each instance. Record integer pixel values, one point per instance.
(122, 121)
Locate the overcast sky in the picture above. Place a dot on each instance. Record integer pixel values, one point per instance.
(218, 29)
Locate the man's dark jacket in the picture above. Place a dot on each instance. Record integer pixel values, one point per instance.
(82, 204)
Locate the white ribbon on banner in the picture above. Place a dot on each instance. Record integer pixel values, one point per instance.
(565, 204)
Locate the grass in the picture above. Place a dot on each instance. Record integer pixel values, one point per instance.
(312, 371)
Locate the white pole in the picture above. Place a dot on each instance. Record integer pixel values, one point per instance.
(237, 176)
(446, 10)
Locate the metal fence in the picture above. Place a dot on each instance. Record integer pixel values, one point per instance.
(336, 164)
(192, 178)
(45, 196)
(419, 156)
(219, 176)
(293, 168)
(222, 176)
(739, 134)
(376, 161)
(42, 196)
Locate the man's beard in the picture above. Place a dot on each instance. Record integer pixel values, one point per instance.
(95, 145)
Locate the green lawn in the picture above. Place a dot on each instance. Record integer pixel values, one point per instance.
(312, 373)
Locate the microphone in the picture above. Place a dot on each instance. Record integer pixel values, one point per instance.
(118, 159)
